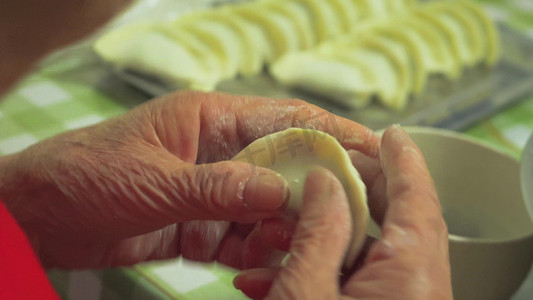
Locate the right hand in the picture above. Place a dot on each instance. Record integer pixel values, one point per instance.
(409, 262)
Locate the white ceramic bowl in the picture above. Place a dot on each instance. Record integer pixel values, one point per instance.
(491, 233)
(526, 174)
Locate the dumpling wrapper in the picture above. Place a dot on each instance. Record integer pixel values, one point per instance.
(348, 13)
(142, 48)
(483, 33)
(394, 91)
(392, 75)
(327, 22)
(329, 76)
(411, 53)
(226, 43)
(249, 54)
(293, 152)
(301, 18)
(280, 32)
(492, 45)
(378, 8)
(441, 56)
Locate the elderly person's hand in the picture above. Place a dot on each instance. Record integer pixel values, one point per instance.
(410, 261)
(138, 186)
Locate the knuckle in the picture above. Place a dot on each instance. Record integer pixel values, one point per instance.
(211, 184)
(298, 102)
(367, 136)
(417, 229)
(431, 229)
(188, 191)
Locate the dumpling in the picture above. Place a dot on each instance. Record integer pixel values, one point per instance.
(293, 152)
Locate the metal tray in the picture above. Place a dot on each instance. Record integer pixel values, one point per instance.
(453, 105)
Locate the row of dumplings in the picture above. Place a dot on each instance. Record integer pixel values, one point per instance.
(203, 48)
(391, 59)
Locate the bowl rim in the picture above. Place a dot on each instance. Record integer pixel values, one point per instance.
(462, 137)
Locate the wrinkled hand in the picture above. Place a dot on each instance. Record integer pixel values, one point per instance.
(138, 186)
(410, 261)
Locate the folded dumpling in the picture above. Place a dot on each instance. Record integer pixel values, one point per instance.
(293, 152)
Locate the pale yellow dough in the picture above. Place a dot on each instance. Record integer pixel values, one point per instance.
(293, 152)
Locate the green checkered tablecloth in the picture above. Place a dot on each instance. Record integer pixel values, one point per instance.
(77, 91)
(175, 279)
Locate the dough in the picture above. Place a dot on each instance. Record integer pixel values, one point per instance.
(293, 152)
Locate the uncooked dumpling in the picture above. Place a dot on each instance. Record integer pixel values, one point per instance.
(202, 48)
(348, 83)
(435, 38)
(134, 47)
(293, 152)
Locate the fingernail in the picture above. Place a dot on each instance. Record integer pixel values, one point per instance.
(244, 275)
(237, 281)
(264, 193)
(394, 135)
(253, 278)
(397, 129)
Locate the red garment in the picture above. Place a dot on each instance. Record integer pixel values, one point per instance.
(21, 275)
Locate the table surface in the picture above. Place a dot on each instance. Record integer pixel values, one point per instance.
(77, 91)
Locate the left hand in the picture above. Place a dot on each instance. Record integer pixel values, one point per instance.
(142, 186)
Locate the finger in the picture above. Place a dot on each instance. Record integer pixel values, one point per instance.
(359, 262)
(237, 247)
(257, 252)
(230, 191)
(164, 191)
(319, 243)
(372, 175)
(413, 222)
(201, 239)
(227, 123)
(161, 244)
(368, 167)
(413, 250)
(268, 243)
(414, 207)
(278, 233)
(255, 283)
(274, 115)
(230, 251)
(243, 230)
(377, 199)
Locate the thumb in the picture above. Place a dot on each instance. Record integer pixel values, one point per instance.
(231, 191)
(319, 243)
